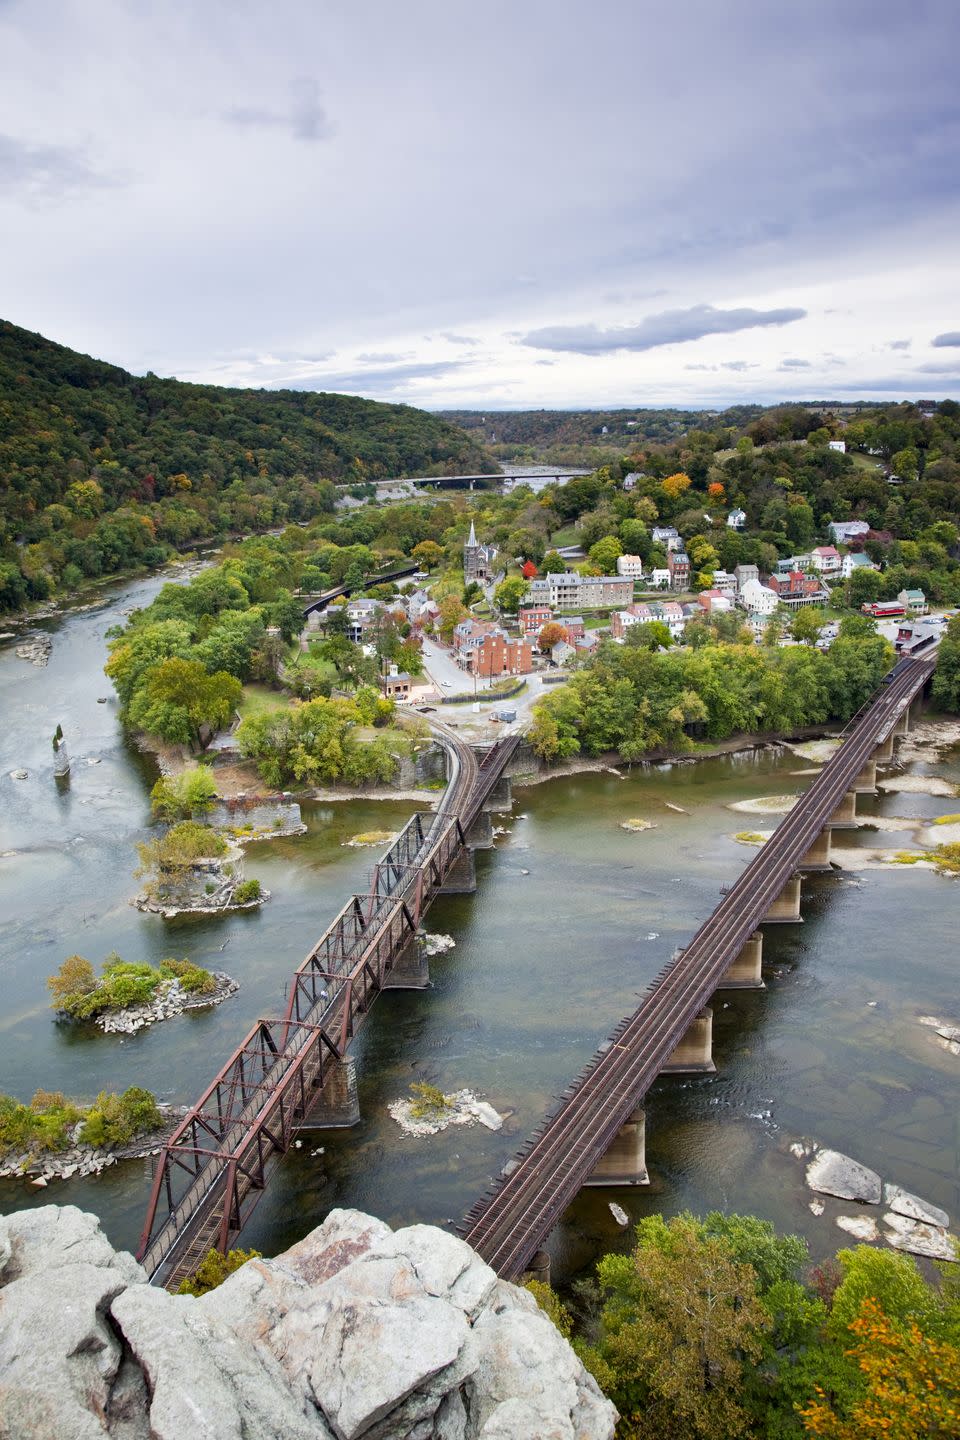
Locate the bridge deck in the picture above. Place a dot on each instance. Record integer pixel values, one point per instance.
(508, 1225)
(217, 1163)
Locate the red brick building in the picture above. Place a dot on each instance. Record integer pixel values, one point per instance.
(533, 618)
(496, 654)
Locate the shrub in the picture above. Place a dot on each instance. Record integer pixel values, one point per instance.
(246, 891)
(428, 1102)
(48, 1121)
(181, 797)
(212, 1271)
(948, 858)
(122, 984)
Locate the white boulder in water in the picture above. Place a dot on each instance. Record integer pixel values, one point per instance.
(918, 1239)
(903, 1203)
(831, 1173)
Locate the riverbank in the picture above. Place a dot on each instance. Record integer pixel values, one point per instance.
(80, 1161)
(611, 762)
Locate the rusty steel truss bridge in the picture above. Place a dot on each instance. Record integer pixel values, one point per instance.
(216, 1165)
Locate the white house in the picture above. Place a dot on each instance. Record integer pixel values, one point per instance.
(744, 573)
(659, 579)
(666, 535)
(843, 531)
(630, 565)
(756, 598)
(838, 445)
(630, 481)
(737, 519)
(853, 561)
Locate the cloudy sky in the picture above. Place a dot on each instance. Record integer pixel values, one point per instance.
(502, 204)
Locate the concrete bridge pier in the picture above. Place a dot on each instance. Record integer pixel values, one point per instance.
(902, 726)
(338, 1104)
(866, 781)
(694, 1052)
(411, 969)
(500, 797)
(539, 1268)
(884, 751)
(818, 855)
(461, 878)
(480, 834)
(785, 910)
(845, 815)
(625, 1162)
(745, 973)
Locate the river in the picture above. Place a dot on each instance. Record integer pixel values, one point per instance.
(572, 917)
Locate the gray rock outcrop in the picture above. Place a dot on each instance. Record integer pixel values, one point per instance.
(356, 1333)
(834, 1174)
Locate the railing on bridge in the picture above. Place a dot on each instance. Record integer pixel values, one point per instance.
(216, 1165)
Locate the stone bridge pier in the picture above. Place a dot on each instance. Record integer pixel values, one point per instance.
(338, 1104)
(785, 909)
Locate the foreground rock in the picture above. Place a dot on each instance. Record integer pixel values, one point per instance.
(357, 1331)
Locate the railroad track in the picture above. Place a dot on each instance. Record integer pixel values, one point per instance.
(508, 1225)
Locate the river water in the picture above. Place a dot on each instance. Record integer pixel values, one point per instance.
(572, 918)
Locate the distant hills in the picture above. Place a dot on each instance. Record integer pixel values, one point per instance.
(101, 469)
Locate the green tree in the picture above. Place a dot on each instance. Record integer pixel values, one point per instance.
(946, 677)
(178, 699)
(184, 796)
(806, 624)
(427, 554)
(681, 1319)
(510, 593)
(605, 554)
(553, 564)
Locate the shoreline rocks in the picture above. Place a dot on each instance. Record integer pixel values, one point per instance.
(356, 1331)
(81, 1161)
(36, 651)
(464, 1108)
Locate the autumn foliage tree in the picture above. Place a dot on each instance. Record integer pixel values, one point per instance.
(551, 634)
(675, 485)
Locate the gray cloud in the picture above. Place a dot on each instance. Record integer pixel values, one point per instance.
(737, 365)
(305, 118)
(949, 339)
(899, 345)
(46, 172)
(381, 381)
(455, 339)
(794, 365)
(669, 327)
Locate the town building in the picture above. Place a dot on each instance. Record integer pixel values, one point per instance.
(678, 564)
(839, 445)
(574, 626)
(562, 653)
(737, 519)
(571, 591)
(843, 531)
(797, 590)
(714, 602)
(756, 598)
(630, 481)
(630, 565)
(361, 617)
(745, 573)
(855, 560)
(491, 652)
(826, 561)
(725, 582)
(913, 601)
(659, 579)
(666, 535)
(794, 562)
(532, 618)
(396, 685)
(478, 560)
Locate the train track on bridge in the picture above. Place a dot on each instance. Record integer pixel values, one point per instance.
(217, 1163)
(508, 1225)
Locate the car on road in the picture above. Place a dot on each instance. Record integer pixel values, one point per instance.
(427, 709)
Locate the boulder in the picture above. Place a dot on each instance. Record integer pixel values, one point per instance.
(831, 1173)
(903, 1203)
(919, 1239)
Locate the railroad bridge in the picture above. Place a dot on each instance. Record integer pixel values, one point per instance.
(595, 1135)
(296, 1071)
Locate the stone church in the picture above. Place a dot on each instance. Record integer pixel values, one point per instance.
(477, 559)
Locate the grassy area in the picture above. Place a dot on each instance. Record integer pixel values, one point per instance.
(260, 700)
(864, 462)
(567, 536)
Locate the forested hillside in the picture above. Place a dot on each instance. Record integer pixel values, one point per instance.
(101, 469)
